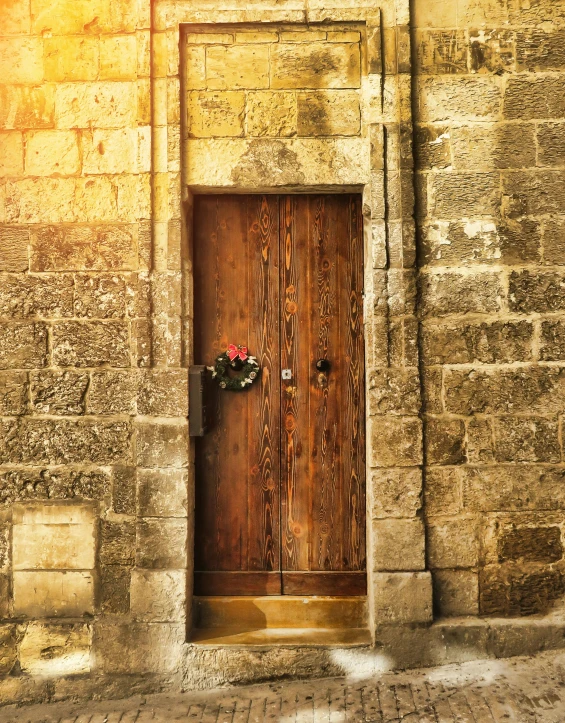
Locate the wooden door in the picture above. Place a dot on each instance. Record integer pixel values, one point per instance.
(280, 483)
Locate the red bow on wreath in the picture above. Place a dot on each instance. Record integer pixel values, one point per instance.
(237, 351)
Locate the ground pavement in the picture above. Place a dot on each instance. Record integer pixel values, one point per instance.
(518, 689)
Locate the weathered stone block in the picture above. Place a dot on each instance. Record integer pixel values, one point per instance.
(329, 113)
(527, 439)
(52, 593)
(117, 543)
(77, 58)
(399, 544)
(480, 441)
(158, 595)
(395, 442)
(509, 592)
(139, 647)
(534, 192)
(51, 651)
(552, 342)
(530, 98)
(41, 200)
(452, 542)
(514, 487)
(446, 99)
(402, 597)
(456, 592)
(26, 106)
(21, 59)
(530, 291)
(432, 147)
(163, 393)
(105, 104)
(521, 12)
(215, 113)
(531, 544)
(84, 16)
(465, 194)
(432, 392)
(195, 67)
(112, 392)
(394, 391)
(441, 52)
(271, 114)
(54, 392)
(5, 607)
(11, 159)
(18, 485)
(13, 246)
(101, 297)
(492, 51)
(444, 440)
(118, 57)
(495, 342)
(237, 66)
(458, 293)
(162, 493)
(115, 585)
(493, 145)
(109, 151)
(28, 295)
(9, 639)
(554, 242)
(538, 50)
(14, 389)
(124, 490)
(443, 490)
(48, 441)
(15, 18)
(23, 346)
(313, 65)
(395, 492)
(162, 445)
(91, 343)
(162, 544)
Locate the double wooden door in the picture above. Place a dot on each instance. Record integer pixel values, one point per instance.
(280, 476)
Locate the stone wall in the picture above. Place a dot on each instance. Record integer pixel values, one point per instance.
(490, 153)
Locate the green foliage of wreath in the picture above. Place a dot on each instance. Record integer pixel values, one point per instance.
(249, 373)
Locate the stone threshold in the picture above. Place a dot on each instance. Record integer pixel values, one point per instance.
(282, 637)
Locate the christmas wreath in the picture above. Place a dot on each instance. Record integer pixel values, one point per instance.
(236, 359)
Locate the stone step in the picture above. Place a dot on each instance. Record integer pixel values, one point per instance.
(281, 612)
(311, 637)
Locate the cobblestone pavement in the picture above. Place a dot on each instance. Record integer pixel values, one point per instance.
(519, 689)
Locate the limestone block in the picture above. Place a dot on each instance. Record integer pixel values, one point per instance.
(124, 490)
(115, 584)
(53, 546)
(237, 66)
(263, 36)
(457, 293)
(72, 58)
(444, 440)
(102, 296)
(394, 391)
(53, 651)
(144, 101)
(195, 67)
(510, 592)
(112, 392)
(5, 544)
(441, 52)
(329, 113)
(443, 98)
(395, 492)
(494, 145)
(552, 347)
(110, 151)
(536, 292)
(158, 595)
(313, 65)
(163, 393)
(271, 114)
(11, 154)
(209, 38)
(13, 393)
(139, 647)
(84, 16)
(21, 59)
(50, 593)
(91, 248)
(50, 152)
(43, 484)
(58, 392)
(456, 592)
(480, 440)
(133, 196)
(395, 441)
(23, 346)
(26, 295)
(91, 343)
(452, 542)
(276, 162)
(162, 493)
(15, 18)
(432, 146)
(402, 597)
(118, 57)
(13, 247)
(554, 242)
(105, 104)
(399, 544)
(95, 199)
(117, 543)
(531, 98)
(41, 200)
(9, 639)
(454, 195)
(527, 439)
(62, 441)
(26, 106)
(162, 544)
(215, 113)
(162, 445)
(497, 342)
(443, 490)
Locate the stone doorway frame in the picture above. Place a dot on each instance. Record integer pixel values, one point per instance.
(399, 587)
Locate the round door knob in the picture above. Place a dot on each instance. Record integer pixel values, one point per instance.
(323, 365)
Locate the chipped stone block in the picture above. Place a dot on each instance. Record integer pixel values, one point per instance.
(399, 544)
(27, 106)
(23, 346)
(124, 490)
(103, 104)
(215, 113)
(14, 389)
(117, 543)
(161, 544)
(458, 293)
(162, 493)
(162, 445)
(237, 66)
(527, 439)
(91, 343)
(402, 597)
(328, 113)
(509, 592)
(444, 440)
(441, 52)
(158, 595)
(452, 542)
(531, 98)
(112, 392)
(394, 391)
(109, 151)
(271, 113)
(456, 592)
(13, 245)
(9, 639)
(313, 65)
(432, 147)
(395, 441)
(395, 492)
(531, 544)
(163, 393)
(101, 296)
(26, 295)
(115, 583)
(55, 650)
(552, 344)
(21, 59)
(54, 392)
(53, 593)
(26, 484)
(443, 490)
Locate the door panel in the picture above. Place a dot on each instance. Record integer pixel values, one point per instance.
(322, 456)
(236, 289)
(280, 485)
